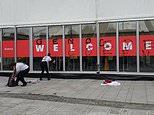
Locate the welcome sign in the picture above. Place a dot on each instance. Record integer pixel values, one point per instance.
(126, 44)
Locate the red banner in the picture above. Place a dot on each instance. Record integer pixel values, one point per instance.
(108, 46)
(8, 49)
(127, 47)
(39, 48)
(56, 47)
(72, 47)
(89, 46)
(23, 48)
(147, 45)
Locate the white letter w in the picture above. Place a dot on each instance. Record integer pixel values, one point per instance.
(39, 48)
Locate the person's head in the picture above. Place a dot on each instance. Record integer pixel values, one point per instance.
(19, 59)
(49, 54)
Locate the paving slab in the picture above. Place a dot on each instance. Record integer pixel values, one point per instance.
(77, 97)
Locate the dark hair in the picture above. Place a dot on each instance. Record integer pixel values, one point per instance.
(20, 60)
(49, 54)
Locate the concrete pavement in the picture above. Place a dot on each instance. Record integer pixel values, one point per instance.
(77, 97)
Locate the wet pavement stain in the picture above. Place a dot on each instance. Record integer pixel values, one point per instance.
(56, 98)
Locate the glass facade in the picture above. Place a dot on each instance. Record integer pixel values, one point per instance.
(89, 47)
(56, 47)
(39, 46)
(146, 42)
(127, 46)
(72, 46)
(107, 46)
(22, 44)
(123, 46)
(8, 48)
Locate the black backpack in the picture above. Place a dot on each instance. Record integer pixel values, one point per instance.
(11, 82)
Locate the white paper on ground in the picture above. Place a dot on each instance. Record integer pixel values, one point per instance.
(113, 83)
(33, 81)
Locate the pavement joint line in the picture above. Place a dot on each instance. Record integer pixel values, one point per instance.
(84, 101)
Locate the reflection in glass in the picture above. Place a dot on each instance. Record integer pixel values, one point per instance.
(107, 46)
(55, 47)
(23, 44)
(146, 40)
(127, 47)
(72, 56)
(39, 46)
(89, 47)
(8, 48)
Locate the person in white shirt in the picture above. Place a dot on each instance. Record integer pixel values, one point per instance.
(20, 71)
(45, 66)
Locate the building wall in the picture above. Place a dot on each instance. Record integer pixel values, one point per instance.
(123, 9)
(16, 12)
(46, 11)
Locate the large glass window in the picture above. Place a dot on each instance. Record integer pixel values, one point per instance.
(146, 41)
(23, 44)
(39, 46)
(56, 47)
(72, 48)
(108, 46)
(8, 48)
(89, 47)
(127, 47)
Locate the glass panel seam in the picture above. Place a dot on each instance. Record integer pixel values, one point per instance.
(47, 40)
(15, 44)
(63, 48)
(31, 49)
(98, 47)
(117, 45)
(80, 48)
(137, 46)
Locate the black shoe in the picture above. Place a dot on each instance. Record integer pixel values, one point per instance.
(41, 79)
(16, 84)
(24, 85)
(48, 78)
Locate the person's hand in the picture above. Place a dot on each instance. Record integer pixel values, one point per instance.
(13, 77)
(54, 61)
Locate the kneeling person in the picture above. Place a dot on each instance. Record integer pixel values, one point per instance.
(21, 70)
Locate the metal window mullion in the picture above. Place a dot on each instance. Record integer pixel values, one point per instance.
(98, 46)
(47, 40)
(80, 37)
(1, 48)
(31, 49)
(63, 48)
(117, 46)
(137, 46)
(15, 44)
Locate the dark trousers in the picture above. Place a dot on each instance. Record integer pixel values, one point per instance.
(21, 75)
(44, 67)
